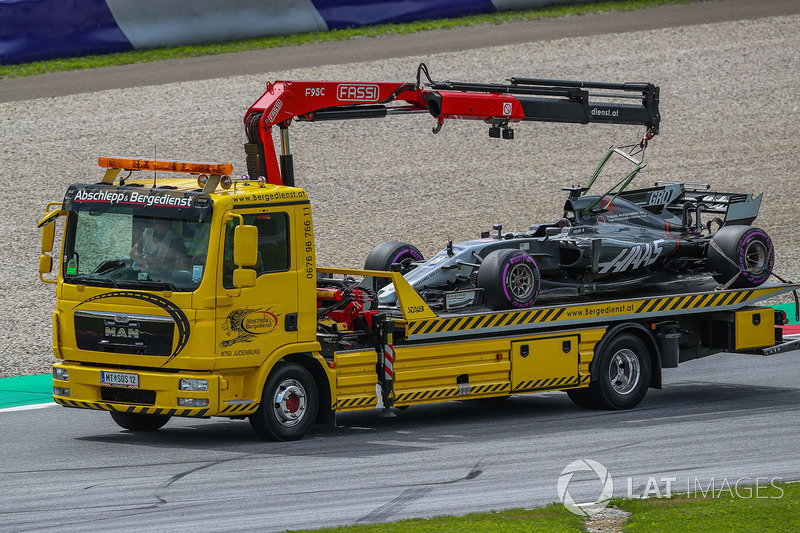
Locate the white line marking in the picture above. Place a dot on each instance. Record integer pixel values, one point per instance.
(28, 407)
(754, 411)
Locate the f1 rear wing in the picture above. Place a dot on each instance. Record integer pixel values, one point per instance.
(691, 201)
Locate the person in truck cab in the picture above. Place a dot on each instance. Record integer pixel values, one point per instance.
(160, 249)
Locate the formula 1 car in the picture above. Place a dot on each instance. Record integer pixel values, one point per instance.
(601, 242)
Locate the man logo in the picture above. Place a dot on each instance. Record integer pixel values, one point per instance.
(591, 507)
(122, 333)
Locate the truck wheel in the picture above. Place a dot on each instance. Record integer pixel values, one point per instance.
(385, 254)
(743, 252)
(622, 376)
(509, 279)
(289, 404)
(139, 422)
(581, 398)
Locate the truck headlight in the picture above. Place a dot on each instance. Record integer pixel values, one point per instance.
(193, 384)
(61, 374)
(61, 391)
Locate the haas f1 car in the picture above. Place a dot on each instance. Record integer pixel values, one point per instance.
(602, 242)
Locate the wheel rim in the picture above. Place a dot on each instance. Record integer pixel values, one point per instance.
(624, 371)
(755, 257)
(290, 402)
(520, 282)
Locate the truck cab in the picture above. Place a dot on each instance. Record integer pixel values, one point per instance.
(173, 294)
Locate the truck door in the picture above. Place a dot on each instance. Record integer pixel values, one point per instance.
(251, 322)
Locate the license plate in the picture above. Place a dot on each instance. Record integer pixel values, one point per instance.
(119, 379)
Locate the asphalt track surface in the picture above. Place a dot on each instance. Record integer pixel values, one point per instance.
(725, 419)
(277, 59)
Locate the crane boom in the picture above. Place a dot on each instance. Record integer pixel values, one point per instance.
(499, 105)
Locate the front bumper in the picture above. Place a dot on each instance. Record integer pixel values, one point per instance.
(157, 393)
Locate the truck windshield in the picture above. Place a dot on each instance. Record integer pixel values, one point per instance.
(117, 247)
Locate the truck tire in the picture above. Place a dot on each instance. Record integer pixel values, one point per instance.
(385, 254)
(289, 404)
(509, 279)
(139, 422)
(582, 398)
(743, 252)
(622, 376)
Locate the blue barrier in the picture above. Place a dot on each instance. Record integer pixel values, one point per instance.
(32, 30)
(342, 14)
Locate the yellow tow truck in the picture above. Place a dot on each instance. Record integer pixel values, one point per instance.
(199, 295)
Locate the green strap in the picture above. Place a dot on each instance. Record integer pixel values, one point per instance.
(599, 168)
(622, 184)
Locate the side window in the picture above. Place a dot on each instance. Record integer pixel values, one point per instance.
(273, 245)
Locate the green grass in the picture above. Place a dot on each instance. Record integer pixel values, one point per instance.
(776, 509)
(160, 54)
(553, 518)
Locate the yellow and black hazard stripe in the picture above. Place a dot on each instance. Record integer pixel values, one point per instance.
(587, 312)
(239, 408)
(549, 383)
(694, 301)
(494, 320)
(488, 389)
(450, 392)
(133, 409)
(429, 394)
(355, 402)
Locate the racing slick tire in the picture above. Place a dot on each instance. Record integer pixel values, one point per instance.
(385, 254)
(138, 421)
(622, 376)
(289, 404)
(509, 279)
(742, 252)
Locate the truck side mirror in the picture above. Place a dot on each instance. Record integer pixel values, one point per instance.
(48, 225)
(48, 236)
(245, 245)
(45, 264)
(244, 277)
(245, 254)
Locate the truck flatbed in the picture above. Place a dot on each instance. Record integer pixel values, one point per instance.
(668, 300)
